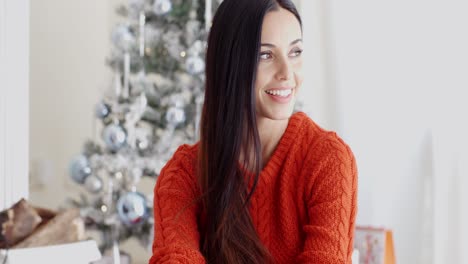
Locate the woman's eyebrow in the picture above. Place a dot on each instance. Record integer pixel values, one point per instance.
(272, 46)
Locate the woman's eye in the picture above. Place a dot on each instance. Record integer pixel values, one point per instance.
(297, 53)
(265, 55)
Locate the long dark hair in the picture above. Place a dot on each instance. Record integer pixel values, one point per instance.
(228, 125)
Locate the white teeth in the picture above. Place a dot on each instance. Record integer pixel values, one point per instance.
(281, 93)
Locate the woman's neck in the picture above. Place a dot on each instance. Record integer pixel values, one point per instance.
(270, 132)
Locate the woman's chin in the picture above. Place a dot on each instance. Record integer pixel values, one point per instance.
(277, 114)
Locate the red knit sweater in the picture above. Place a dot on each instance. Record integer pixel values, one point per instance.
(303, 209)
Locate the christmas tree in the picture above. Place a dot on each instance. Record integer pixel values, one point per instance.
(153, 106)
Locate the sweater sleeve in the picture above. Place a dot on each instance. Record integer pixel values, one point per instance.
(176, 235)
(331, 203)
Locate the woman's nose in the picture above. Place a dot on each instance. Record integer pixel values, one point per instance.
(284, 71)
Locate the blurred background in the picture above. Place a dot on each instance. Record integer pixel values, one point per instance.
(389, 76)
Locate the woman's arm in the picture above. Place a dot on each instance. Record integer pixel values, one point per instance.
(331, 205)
(176, 235)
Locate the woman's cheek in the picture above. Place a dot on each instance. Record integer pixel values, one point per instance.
(298, 75)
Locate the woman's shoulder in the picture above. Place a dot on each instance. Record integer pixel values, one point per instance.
(183, 158)
(187, 151)
(180, 170)
(308, 127)
(318, 141)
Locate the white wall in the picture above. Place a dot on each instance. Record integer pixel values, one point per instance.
(318, 91)
(450, 141)
(14, 104)
(69, 43)
(396, 67)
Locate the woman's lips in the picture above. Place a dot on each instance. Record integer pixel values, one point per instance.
(281, 96)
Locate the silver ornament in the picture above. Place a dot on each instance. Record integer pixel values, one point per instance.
(115, 137)
(102, 110)
(175, 116)
(162, 7)
(80, 169)
(123, 38)
(93, 184)
(132, 209)
(195, 65)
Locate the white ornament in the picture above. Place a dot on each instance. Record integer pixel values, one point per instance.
(197, 47)
(93, 184)
(175, 116)
(162, 7)
(195, 65)
(123, 38)
(177, 100)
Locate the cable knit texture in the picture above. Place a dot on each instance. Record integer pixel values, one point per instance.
(303, 209)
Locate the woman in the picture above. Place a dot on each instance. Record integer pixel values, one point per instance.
(263, 185)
